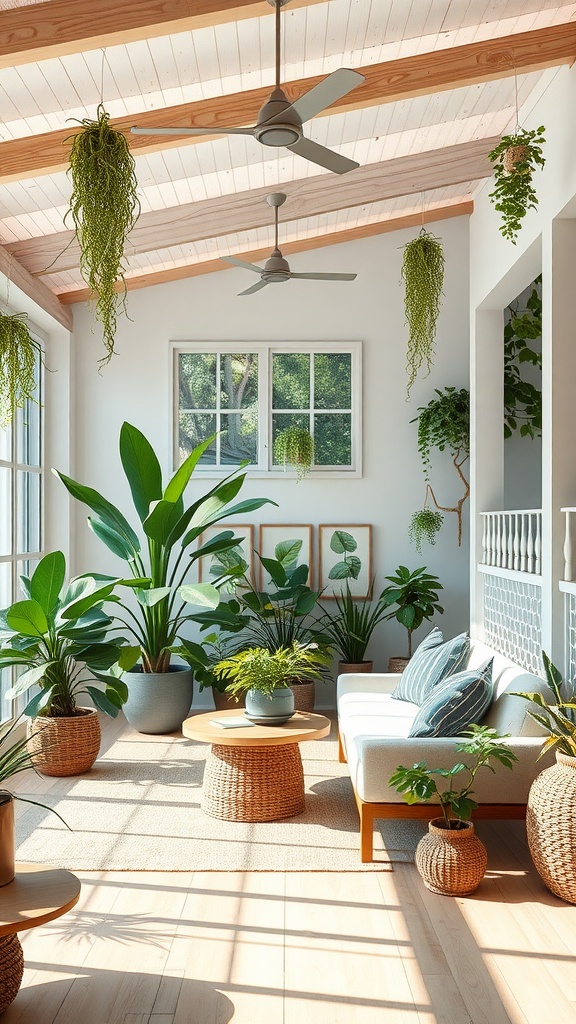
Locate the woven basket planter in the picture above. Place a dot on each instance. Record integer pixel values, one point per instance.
(354, 666)
(12, 960)
(551, 827)
(514, 155)
(397, 664)
(226, 702)
(451, 862)
(65, 746)
(304, 695)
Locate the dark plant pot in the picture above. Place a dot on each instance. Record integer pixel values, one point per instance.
(272, 710)
(158, 702)
(354, 666)
(7, 860)
(65, 746)
(226, 702)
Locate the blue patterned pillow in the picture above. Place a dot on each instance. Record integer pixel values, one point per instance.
(455, 704)
(431, 662)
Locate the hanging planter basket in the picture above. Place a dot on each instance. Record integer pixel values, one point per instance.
(515, 160)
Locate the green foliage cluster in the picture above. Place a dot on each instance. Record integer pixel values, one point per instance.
(423, 526)
(350, 627)
(558, 717)
(444, 423)
(294, 446)
(15, 758)
(418, 785)
(522, 399)
(514, 193)
(18, 355)
(257, 668)
(416, 596)
(104, 208)
(423, 276)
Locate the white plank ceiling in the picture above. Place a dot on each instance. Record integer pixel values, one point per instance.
(192, 66)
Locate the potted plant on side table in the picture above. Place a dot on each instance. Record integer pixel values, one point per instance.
(416, 596)
(60, 637)
(451, 859)
(160, 694)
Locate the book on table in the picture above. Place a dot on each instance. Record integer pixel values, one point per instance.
(230, 723)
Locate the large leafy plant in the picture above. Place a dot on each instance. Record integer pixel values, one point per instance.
(515, 160)
(19, 354)
(171, 528)
(423, 277)
(59, 639)
(415, 595)
(443, 424)
(418, 784)
(104, 208)
(558, 716)
(522, 398)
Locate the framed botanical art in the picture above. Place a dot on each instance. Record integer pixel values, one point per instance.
(345, 556)
(276, 533)
(245, 533)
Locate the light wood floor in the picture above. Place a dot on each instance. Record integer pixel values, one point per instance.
(306, 948)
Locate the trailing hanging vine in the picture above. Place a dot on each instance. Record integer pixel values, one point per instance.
(423, 276)
(515, 159)
(295, 446)
(424, 526)
(104, 207)
(18, 356)
(443, 424)
(522, 398)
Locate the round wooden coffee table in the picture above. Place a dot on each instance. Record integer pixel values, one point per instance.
(254, 773)
(38, 894)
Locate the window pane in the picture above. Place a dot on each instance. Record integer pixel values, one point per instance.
(238, 380)
(332, 440)
(197, 380)
(5, 584)
(193, 429)
(28, 527)
(282, 421)
(291, 380)
(239, 438)
(5, 443)
(28, 434)
(5, 511)
(332, 380)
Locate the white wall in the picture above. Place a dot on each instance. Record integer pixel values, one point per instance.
(136, 386)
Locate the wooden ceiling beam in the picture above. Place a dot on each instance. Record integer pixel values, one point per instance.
(45, 30)
(36, 290)
(396, 223)
(394, 80)
(245, 211)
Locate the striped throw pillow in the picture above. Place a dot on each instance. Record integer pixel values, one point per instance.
(431, 662)
(460, 701)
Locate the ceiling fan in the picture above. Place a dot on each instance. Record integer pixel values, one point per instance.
(276, 269)
(279, 121)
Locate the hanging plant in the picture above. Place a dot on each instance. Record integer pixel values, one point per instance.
(522, 398)
(104, 208)
(423, 276)
(444, 424)
(515, 159)
(294, 446)
(18, 355)
(424, 526)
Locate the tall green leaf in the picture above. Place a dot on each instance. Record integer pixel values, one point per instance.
(108, 513)
(177, 485)
(141, 467)
(48, 580)
(27, 617)
(113, 540)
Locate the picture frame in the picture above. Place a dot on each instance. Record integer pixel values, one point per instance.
(362, 534)
(243, 530)
(271, 534)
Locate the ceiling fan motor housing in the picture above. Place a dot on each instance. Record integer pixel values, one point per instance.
(281, 133)
(276, 269)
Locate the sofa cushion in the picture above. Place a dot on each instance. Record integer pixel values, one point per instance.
(458, 702)
(431, 662)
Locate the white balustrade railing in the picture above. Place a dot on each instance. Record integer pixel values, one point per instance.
(569, 566)
(513, 540)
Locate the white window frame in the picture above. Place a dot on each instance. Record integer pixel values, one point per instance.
(265, 351)
(16, 557)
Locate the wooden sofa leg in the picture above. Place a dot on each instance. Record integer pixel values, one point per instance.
(341, 754)
(366, 833)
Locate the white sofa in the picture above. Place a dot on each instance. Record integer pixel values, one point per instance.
(373, 738)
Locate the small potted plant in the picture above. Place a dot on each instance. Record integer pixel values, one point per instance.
(59, 638)
(265, 678)
(451, 859)
(294, 446)
(415, 595)
(551, 807)
(515, 160)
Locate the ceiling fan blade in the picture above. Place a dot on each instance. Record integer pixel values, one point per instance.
(324, 157)
(241, 263)
(192, 131)
(325, 277)
(323, 95)
(254, 288)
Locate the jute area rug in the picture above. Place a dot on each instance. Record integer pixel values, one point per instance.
(139, 810)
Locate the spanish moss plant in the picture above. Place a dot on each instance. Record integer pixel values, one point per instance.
(515, 159)
(104, 208)
(294, 446)
(424, 526)
(18, 355)
(423, 276)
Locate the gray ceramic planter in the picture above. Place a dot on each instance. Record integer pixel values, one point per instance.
(276, 708)
(158, 702)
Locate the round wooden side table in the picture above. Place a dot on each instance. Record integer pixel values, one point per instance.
(254, 772)
(38, 894)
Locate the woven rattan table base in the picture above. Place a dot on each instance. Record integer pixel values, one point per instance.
(11, 969)
(253, 783)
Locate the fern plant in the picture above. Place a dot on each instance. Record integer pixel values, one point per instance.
(19, 353)
(515, 160)
(423, 277)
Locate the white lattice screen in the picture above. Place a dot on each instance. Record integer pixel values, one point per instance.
(513, 620)
(570, 621)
